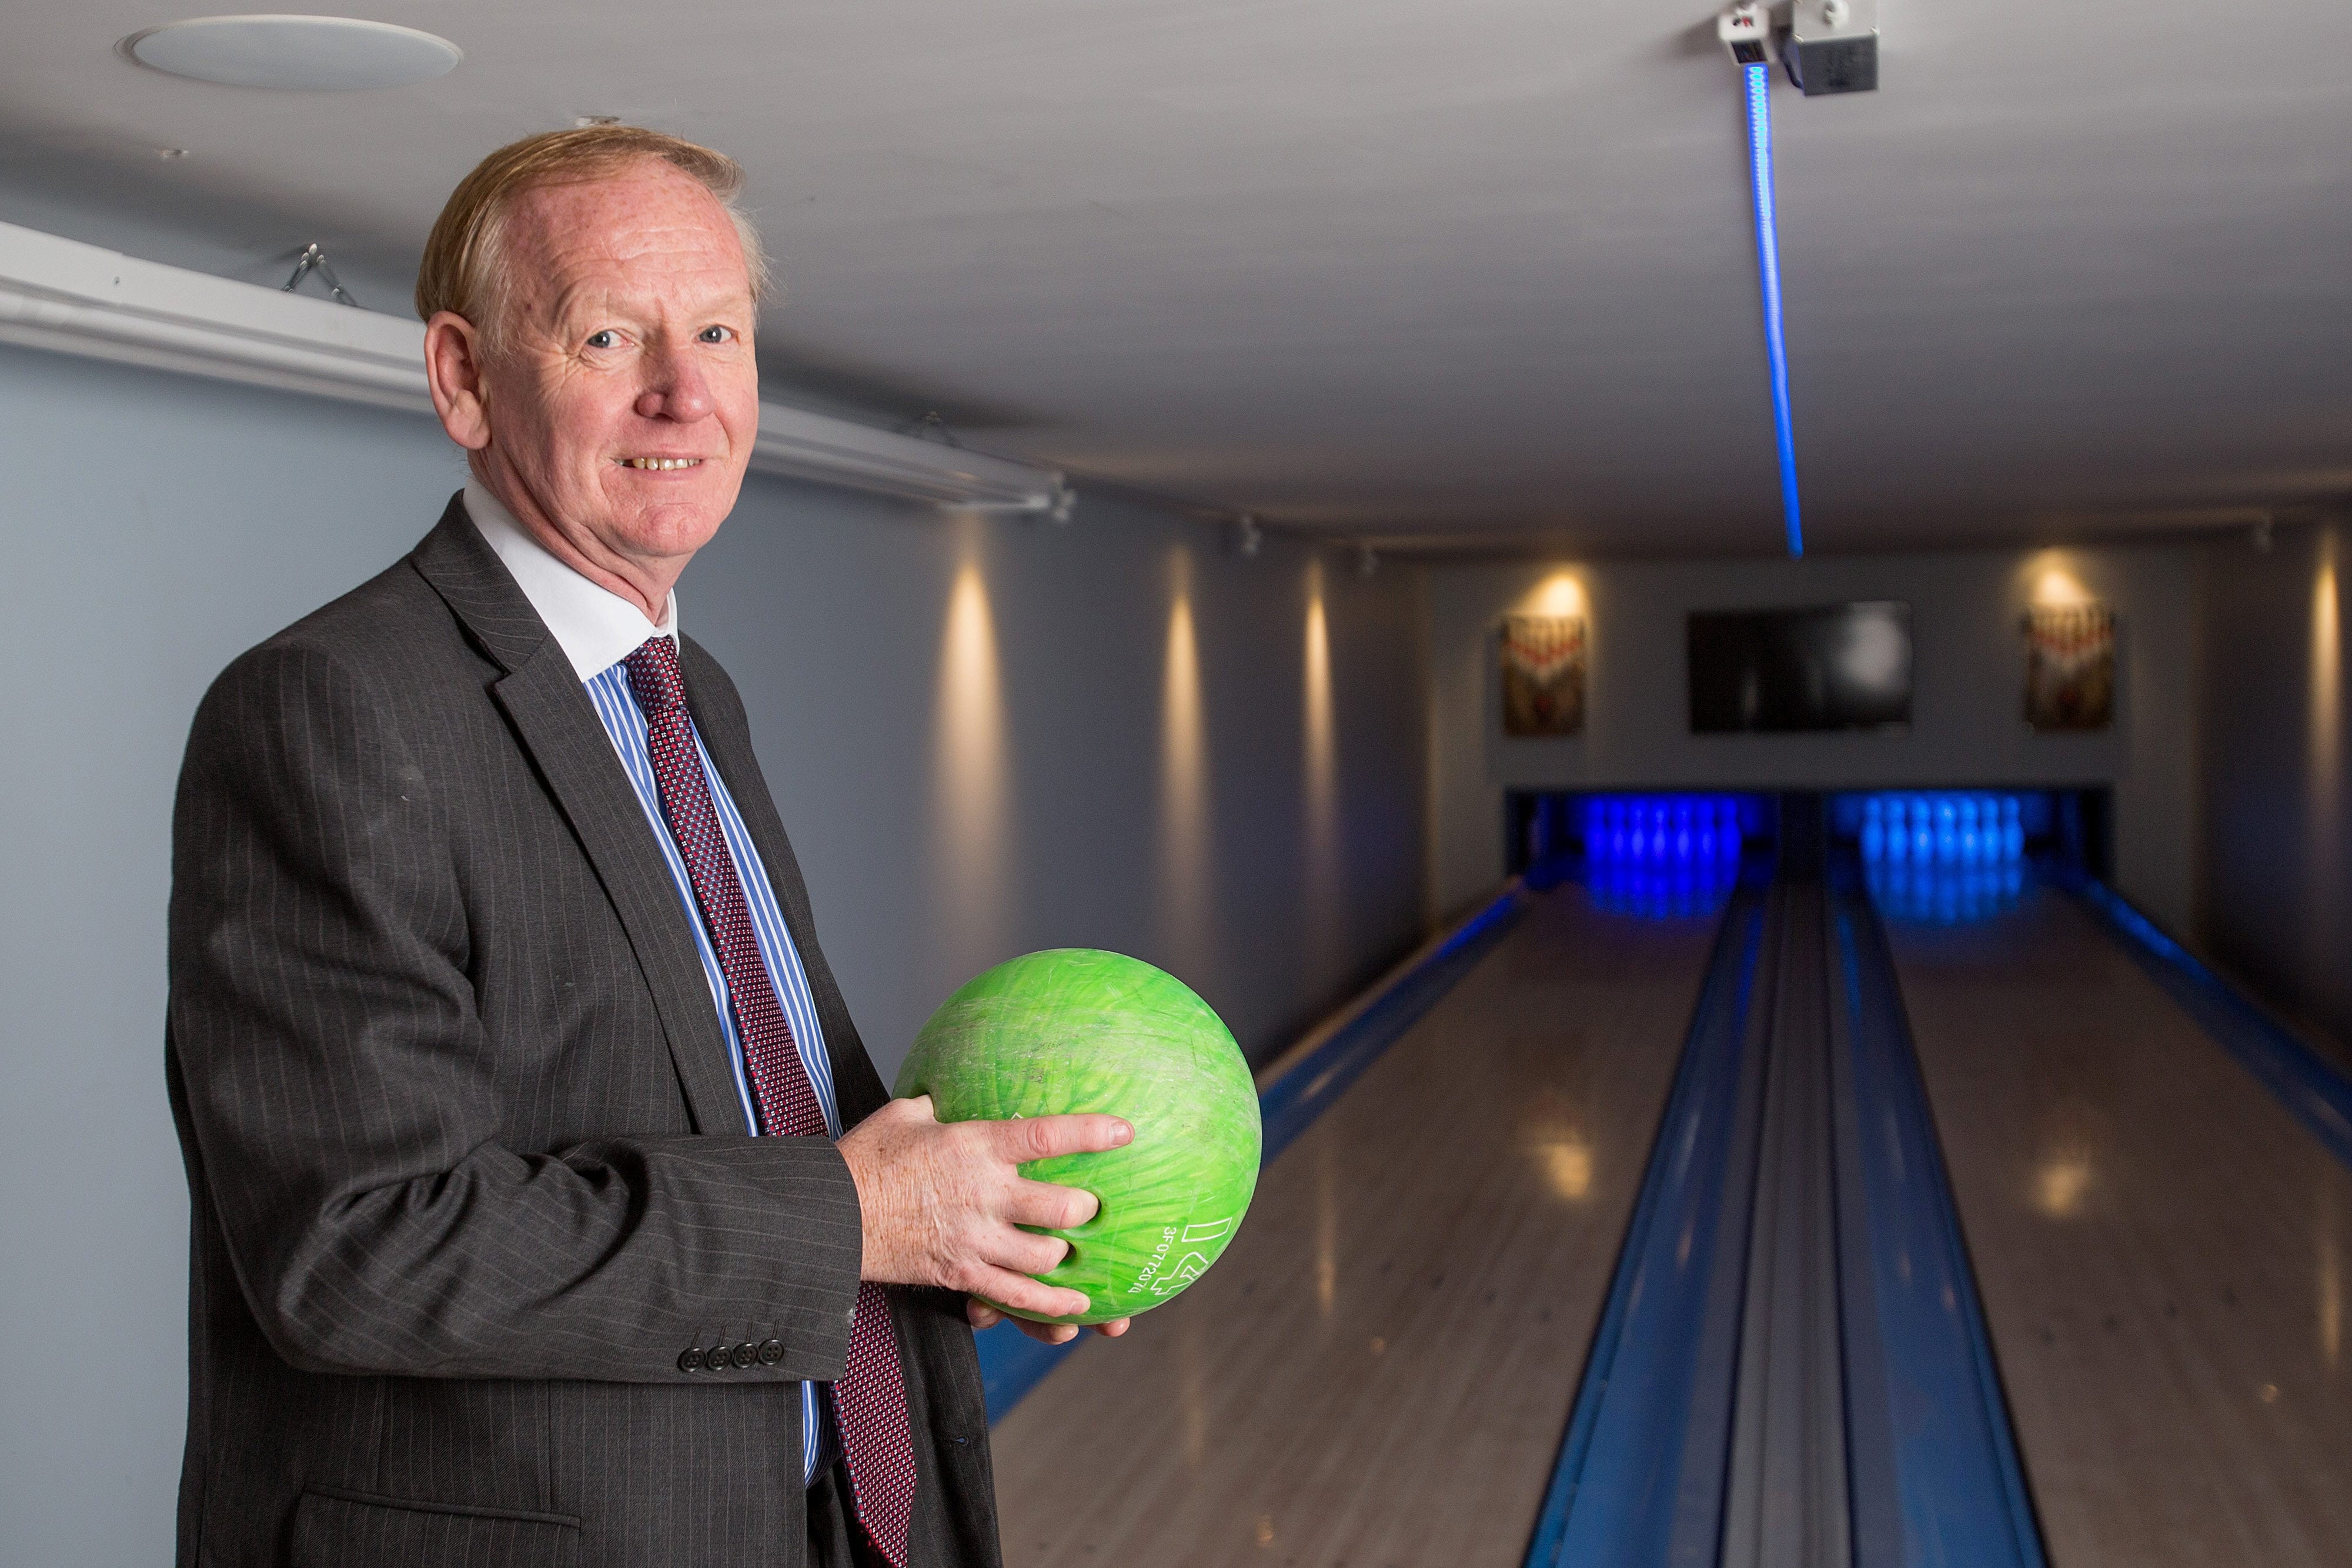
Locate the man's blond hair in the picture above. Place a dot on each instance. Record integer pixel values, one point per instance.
(463, 269)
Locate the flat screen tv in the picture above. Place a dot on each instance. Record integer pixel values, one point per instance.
(1830, 666)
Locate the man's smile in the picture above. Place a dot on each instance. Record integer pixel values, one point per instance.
(661, 463)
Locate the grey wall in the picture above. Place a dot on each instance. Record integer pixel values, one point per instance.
(1966, 718)
(156, 526)
(2276, 800)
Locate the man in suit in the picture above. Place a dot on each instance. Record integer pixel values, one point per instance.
(546, 1208)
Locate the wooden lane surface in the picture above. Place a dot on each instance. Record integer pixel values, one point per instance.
(2160, 1246)
(1377, 1374)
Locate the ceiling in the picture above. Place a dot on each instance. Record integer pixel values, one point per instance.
(1436, 274)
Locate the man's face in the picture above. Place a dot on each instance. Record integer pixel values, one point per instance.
(623, 399)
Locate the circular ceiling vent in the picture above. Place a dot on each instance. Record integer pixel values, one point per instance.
(321, 54)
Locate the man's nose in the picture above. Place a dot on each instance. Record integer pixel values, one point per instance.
(675, 387)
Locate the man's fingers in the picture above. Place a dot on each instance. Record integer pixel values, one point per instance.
(1026, 1252)
(983, 1316)
(1041, 1137)
(1050, 1208)
(1027, 1298)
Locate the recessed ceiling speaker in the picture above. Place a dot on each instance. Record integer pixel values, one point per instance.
(316, 53)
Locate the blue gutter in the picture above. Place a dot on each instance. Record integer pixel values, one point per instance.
(1933, 1474)
(2304, 1081)
(1767, 266)
(1012, 1363)
(1288, 1105)
(1641, 1469)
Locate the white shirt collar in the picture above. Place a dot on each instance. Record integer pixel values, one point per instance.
(595, 627)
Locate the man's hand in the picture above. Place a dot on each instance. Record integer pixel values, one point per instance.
(1045, 1334)
(942, 1202)
(984, 1316)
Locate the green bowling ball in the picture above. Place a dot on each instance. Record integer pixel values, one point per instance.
(1073, 1029)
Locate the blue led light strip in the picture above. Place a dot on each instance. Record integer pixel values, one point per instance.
(1767, 263)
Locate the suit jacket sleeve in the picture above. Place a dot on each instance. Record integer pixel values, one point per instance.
(332, 1062)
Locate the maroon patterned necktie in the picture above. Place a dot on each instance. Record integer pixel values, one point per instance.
(870, 1400)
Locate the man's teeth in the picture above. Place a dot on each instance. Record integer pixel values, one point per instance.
(661, 462)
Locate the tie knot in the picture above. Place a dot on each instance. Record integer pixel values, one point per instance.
(654, 678)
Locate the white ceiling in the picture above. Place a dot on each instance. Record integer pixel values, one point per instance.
(1452, 273)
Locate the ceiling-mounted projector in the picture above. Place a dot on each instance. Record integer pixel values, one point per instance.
(1831, 45)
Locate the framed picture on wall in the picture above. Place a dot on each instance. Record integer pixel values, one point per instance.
(1543, 675)
(2070, 668)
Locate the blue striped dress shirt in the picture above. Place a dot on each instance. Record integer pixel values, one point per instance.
(626, 722)
(597, 629)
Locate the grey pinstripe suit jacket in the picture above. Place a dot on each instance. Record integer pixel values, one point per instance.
(466, 1163)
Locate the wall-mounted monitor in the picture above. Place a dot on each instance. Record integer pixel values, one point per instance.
(1830, 666)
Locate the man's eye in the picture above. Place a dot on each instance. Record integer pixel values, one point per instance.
(603, 339)
(716, 334)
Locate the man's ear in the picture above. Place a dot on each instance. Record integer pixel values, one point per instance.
(453, 369)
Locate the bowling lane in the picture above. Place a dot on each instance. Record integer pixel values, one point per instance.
(2160, 1247)
(1380, 1370)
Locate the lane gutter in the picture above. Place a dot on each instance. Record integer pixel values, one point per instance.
(2304, 1081)
(1640, 1474)
(1936, 1472)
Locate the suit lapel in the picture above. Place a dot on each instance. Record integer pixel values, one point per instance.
(544, 699)
(725, 735)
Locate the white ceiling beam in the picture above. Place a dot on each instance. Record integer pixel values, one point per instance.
(75, 299)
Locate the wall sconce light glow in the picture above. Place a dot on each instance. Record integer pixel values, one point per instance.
(2057, 584)
(2326, 924)
(1319, 762)
(971, 771)
(1321, 741)
(1559, 594)
(2326, 671)
(1184, 780)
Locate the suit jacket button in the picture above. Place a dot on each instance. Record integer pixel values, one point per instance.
(746, 1353)
(690, 1359)
(772, 1351)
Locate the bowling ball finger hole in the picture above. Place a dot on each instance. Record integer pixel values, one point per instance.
(1070, 1240)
